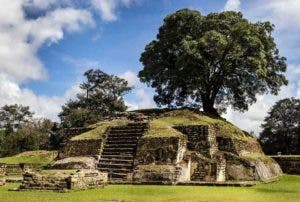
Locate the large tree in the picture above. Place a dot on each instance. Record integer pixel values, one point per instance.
(11, 116)
(212, 61)
(281, 128)
(102, 95)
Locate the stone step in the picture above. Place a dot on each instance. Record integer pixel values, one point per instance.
(116, 145)
(133, 131)
(115, 165)
(121, 141)
(116, 140)
(115, 170)
(116, 153)
(116, 176)
(118, 149)
(129, 127)
(116, 160)
(125, 135)
(117, 157)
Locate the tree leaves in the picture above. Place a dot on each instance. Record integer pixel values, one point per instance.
(102, 96)
(212, 61)
(281, 128)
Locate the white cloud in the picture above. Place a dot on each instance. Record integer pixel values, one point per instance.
(232, 5)
(20, 40)
(108, 8)
(142, 99)
(284, 14)
(43, 106)
(142, 96)
(131, 77)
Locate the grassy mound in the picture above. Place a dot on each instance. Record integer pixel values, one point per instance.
(162, 126)
(39, 157)
(99, 129)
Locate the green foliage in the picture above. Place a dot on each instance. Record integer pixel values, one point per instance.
(101, 96)
(32, 135)
(285, 190)
(210, 61)
(39, 157)
(281, 128)
(99, 129)
(13, 115)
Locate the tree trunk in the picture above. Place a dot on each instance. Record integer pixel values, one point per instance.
(208, 107)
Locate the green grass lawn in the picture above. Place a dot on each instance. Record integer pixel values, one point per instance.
(39, 157)
(287, 189)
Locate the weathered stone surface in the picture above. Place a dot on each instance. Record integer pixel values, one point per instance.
(160, 150)
(200, 138)
(238, 146)
(155, 174)
(20, 168)
(91, 147)
(80, 162)
(162, 160)
(60, 180)
(2, 173)
(289, 164)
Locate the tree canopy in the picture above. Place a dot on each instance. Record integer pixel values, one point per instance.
(13, 115)
(281, 128)
(102, 95)
(212, 61)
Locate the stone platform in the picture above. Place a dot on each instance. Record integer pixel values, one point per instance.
(63, 180)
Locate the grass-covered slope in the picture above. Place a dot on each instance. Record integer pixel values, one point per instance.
(39, 157)
(99, 129)
(162, 126)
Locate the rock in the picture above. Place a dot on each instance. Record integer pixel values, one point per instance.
(75, 163)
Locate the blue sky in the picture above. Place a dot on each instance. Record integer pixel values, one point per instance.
(46, 45)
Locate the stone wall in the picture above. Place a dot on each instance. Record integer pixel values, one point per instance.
(2, 173)
(289, 164)
(19, 169)
(203, 169)
(239, 169)
(82, 179)
(161, 174)
(201, 138)
(238, 147)
(161, 160)
(160, 150)
(90, 147)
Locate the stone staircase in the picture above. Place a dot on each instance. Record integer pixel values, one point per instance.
(119, 151)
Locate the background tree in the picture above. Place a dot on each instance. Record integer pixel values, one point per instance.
(281, 128)
(102, 96)
(212, 61)
(11, 116)
(31, 135)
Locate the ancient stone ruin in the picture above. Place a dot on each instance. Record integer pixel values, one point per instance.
(63, 181)
(2, 173)
(168, 147)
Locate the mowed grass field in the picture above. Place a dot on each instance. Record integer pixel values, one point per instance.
(287, 189)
